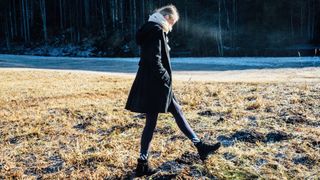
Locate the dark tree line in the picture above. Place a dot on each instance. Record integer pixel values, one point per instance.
(206, 27)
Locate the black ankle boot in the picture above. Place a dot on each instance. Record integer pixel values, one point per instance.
(205, 150)
(143, 168)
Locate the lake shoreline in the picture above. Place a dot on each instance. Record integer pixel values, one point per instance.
(130, 65)
(308, 74)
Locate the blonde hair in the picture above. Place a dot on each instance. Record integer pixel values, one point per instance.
(170, 10)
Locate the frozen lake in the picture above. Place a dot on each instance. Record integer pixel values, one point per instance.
(178, 64)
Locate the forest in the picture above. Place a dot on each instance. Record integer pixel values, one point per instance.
(106, 28)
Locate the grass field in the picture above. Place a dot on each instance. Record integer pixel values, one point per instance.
(73, 125)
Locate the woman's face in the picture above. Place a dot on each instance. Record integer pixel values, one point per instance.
(170, 21)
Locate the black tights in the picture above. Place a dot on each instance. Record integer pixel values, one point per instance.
(151, 121)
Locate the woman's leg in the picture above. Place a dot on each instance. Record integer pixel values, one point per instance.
(151, 121)
(182, 122)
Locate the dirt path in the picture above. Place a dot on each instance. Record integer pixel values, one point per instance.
(311, 74)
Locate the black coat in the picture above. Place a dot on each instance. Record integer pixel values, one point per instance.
(151, 90)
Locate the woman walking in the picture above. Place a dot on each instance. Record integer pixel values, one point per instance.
(151, 91)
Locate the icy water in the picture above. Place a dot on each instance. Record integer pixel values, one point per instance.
(178, 64)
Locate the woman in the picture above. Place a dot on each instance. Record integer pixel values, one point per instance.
(151, 92)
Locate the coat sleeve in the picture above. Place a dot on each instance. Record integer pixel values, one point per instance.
(156, 60)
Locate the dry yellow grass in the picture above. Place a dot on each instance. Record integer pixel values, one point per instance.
(73, 125)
